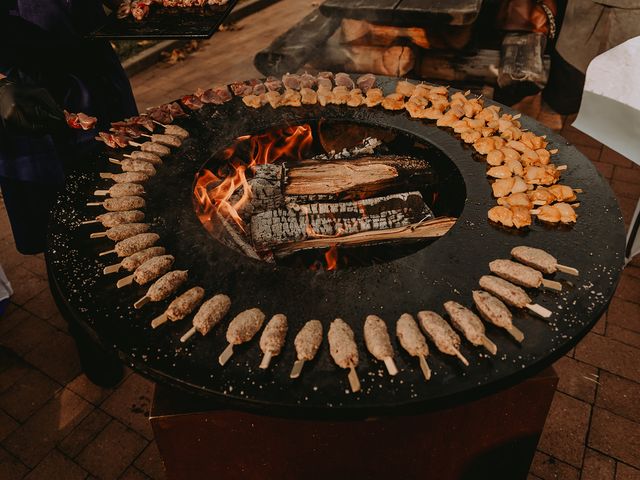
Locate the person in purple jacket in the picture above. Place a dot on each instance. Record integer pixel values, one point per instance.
(46, 65)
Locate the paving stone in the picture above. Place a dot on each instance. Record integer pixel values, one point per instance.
(565, 429)
(611, 355)
(624, 314)
(626, 189)
(629, 288)
(577, 137)
(601, 325)
(42, 305)
(130, 404)
(529, 106)
(550, 118)
(88, 390)
(627, 174)
(55, 420)
(597, 466)
(150, 462)
(619, 396)
(132, 473)
(57, 357)
(576, 378)
(625, 336)
(625, 472)
(627, 207)
(605, 169)
(615, 436)
(28, 394)
(117, 443)
(58, 321)
(12, 368)
(35, 264)
(632, 270)
(7, 425)
(27, 335)
(549, 468)
(84, 433)
(12, 318)
(10, 467)
(611, 156)
(26, 284)
(57, 466)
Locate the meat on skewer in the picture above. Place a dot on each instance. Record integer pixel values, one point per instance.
(441, 334)
(558, 212)
(120, 204)
(153, 147)
(132, 165)
(126, 177)
(164, 139)
(521, 275)
(134, 261)
(307, 343)
(120, 232)
(540, 260)
(134, 244)
(175, 130)
(413, 341)
(272, 339)
(494, 311)
(242, 329)
(111, 219)
(150, 270)
(166, 285)
(376, 337)
(122, 190)
(150, 157)
(208, 316)
(470, 325)
(511, 294)
(344, 350)
(180, 307)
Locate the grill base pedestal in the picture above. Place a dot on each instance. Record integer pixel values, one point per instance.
(494, 437)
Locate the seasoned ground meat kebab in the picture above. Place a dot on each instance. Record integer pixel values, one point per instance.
(126, 177)
(131, 165)
(174, 130)
(470, 325)
(208, 316)
(153, 268)
(134, 261)
(160, 150)
(494, 311)
(134, 244)
(540, 260)
(112, 219)
(511, 294)
(242, 329)
(120, 232)
(120, 204)
(272, 339)
(376, 338)
(307, 343)
(441, 334)
(166, 285)
(522, 275)
(122, 190)
(413, 341)
(180, 307)
(164, 139)
(344, 350)
(148, 157)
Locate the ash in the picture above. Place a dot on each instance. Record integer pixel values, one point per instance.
(367, 147)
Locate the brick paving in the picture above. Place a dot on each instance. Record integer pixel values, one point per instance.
(54, 423)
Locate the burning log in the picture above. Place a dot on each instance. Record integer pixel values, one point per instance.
(395, 61)
(296, 224)
(361, 32)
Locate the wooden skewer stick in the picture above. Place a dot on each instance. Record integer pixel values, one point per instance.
(101, 193)
(88, 222)
(516, 333)
(159, 320)
(95, 204)
(123, 282)
(226, 355)
(266, 360)
(102, 254)
(354, 382)
(188, 335)
(561, 167)
(424, 366)
(115, 161)
(516, 116)
(461, 357)
(98, 235)
(297, 369)
(489, 345)
(535, 211)
(575, 205)
(578, 190)
(112, 269)
(391, 365)
(161, 124)
(539, 310)
(552, 285)
(106, 175)
(134, 144)
(539, 202)
(569, 270)
(142, 302)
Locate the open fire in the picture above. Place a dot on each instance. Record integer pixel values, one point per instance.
(285, 192)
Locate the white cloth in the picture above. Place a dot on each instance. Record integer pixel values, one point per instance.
(5, 286)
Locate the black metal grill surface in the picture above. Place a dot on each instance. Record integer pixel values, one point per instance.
(447, 269)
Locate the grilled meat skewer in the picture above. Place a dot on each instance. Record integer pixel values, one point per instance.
(180, 307)
(242, 329)
(521, 275)
(126, 177)
(496, 312)
(540, 260)
(151, 269)
(441, 334)
(148, 157)
(163, 287)
(174, 130)
(122, 190)
(134, 244)
(164, 139)
(307, 342)
(120, 232)
(511, 294)
(133, 165)
(344, 350)
(208, 316)
(376, 337)
(272, 339)
(413, 341)
(134, 261)
(470, 325)
(120, 204)
(112, 219)
(153, 147)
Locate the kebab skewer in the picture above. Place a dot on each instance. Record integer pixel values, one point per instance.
(496, 312)
(158, 149)
(150, 157)
(511, 295)
(166, 285)
(522, 275)
(120, 204)
(208, 316)
(121, 232)
(470, 325)
(413, 341)
(174, 130)
(121, 190)
(126, 177)
(131, 245)
(376, 338)
(441, 334)
(307, 343)
(150, 270)
(344, 350)
(180, 307)
(164, 139)
(272, 338)
(134, 261)
(134, 165)
(540, 260)
(241, 330)
(113, 219)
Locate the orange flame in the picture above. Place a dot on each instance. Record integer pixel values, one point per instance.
(331, 257)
